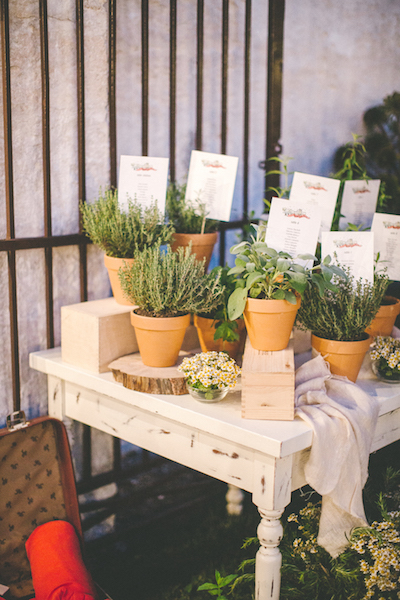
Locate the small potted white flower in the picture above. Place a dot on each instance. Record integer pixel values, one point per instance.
(385, 356)
(210, 375)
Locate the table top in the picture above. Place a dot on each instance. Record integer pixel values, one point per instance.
(222, 419)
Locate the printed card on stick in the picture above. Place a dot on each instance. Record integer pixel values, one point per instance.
(359, 202)
(293, 227)
(386, 229)
(211, 181)
(320, 191)
(352, 249)
(143, 178)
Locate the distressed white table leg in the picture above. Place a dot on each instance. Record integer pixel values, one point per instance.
(55, 396)
(234, 498)
(269, 558)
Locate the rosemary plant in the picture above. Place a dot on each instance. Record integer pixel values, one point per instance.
(118, 232)
(345, 314)
(168, 284)
(187, 216)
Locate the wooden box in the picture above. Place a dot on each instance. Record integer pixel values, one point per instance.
(95, 333)
(268, 384)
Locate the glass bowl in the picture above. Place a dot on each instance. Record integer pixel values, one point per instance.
(395, 378)
(208, 395)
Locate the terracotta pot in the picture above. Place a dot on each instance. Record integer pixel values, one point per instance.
(385, 318)
(159, 339)
(205, 331)
(202, 244)
(269, 323)
(113, 265)
(344, 358)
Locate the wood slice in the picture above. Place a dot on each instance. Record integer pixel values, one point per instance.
(134, 375)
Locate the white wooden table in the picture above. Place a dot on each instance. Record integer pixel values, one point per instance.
(265, 458)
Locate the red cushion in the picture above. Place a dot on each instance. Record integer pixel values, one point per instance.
(58, 570)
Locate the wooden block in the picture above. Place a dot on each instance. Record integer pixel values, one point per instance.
(134, 375)
(95, 333)
(268, 384)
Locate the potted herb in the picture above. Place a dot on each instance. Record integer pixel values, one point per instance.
(119, 232)
(269, 288)
(338, 321)
(215, 330)
(190, 223)
(209, 375)
(167, 287)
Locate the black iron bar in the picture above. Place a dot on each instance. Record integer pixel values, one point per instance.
(274, 86)
(224, 78)
(48, 254)
(246, 124)
(9, 192)
(199, 74)
(112, 54)
(172, 88)
(145, 77)
(54, 241)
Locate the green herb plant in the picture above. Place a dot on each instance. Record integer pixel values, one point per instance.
(119, 232)
(225, 329)
(262, 272)
(187, 216)
(343, 314)
(284, 173)
(167, 284)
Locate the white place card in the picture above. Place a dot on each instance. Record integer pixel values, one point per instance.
(359, 202)
(211, 180)
(352, 249)
(386, 229)
(321, 191)
(144, 179)
(293, 227)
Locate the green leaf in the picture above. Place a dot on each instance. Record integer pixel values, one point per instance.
(254, 292)
(307, 257)
(290, 297)
(298, 277)
(278, 295)
(254, 278)
(236, 303)
(250, 267)
(238, 248)
(207, 586)
(282, 264)
(235, 270)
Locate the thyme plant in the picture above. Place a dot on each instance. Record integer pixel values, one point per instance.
(120, 232)
(343, 314)
(168, 284)
(187, 216)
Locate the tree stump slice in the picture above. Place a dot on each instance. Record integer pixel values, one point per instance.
(134, 375)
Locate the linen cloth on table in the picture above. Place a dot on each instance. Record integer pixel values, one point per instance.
(343, 418)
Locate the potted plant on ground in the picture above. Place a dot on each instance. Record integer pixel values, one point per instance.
(269, 288)
(338, 321)
(215, 330)
(190, 223)
(119, 232)
(167, 287)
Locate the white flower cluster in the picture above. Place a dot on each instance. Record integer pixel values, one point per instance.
(381, 565)
(388, 349)
(211, 370)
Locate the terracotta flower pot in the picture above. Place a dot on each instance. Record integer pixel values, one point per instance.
(202, 244)
(269, 323)
(159, 339)
(205, 331)
(385, 318)
(344, 358)
(113, 265)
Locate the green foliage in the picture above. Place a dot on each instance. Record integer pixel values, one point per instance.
(225, 329)
(280, 192)
(120, 233)
(262, 272)
(343, 314)
(382, 142)
(166, 284)
(216, 589)
(187, 216)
